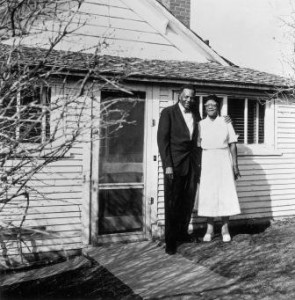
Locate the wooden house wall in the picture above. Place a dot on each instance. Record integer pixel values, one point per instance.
(55, 207)
(267, 186)
(112, 26)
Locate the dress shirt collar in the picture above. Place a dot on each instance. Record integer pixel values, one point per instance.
(183, 109)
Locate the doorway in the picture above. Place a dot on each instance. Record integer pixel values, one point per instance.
(122, 173)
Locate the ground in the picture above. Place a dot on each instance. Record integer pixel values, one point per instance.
(261, 260)
(263, 263)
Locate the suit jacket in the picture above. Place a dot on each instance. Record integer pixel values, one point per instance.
(176, 148)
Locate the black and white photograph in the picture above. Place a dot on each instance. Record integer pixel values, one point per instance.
(147, 149)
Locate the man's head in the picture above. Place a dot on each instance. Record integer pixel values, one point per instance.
(187, 97)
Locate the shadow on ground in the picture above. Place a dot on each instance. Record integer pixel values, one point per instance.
(261, 262)
(79, 278)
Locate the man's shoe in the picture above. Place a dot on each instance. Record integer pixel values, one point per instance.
(186, 238)
(170, 251)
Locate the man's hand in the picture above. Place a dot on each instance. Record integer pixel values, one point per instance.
(227, 119)
(169, 172)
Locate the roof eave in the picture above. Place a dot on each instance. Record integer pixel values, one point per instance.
(174, 80)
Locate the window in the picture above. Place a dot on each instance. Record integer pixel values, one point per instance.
(248, 119)
(122, 136)
(25, 116)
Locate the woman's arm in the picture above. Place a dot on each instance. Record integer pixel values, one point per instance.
(233, 151)
(199, 153)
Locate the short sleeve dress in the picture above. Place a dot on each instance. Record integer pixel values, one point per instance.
(217, 194)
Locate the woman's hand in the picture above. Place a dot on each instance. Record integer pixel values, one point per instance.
(236, 172)
(227, 119)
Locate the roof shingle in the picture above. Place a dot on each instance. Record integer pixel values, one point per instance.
(149, 69)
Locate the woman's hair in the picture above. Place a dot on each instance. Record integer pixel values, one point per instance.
(212, 97)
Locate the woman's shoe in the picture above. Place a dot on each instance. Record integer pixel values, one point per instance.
(207, 237)
(226, 237)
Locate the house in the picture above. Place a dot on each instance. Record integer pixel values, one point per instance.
(112, 190)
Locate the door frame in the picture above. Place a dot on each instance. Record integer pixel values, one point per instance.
(90, 208)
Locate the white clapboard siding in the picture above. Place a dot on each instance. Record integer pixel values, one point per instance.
(165, 100)
(261, 181)
(107, 10)
(116, 29)
(279, 204)
(57, 176)
(42, 216)
(13, 247)
(55, 202)
(118, 26)
(62, 198)
(64, 228)
(113, 23)
(256, 208)
(116, 47)
(50, 189)
(257, 172)
(45, 220)
(103, 32)
(252, 216)
(41, 202)
(39, 210)
(115, 3)
(262, 201)
(267, 186)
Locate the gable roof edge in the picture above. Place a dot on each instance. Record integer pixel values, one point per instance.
(170, 20)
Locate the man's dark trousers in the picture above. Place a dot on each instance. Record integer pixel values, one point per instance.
(179, 202)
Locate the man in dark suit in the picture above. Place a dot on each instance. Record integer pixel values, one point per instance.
(177, 142)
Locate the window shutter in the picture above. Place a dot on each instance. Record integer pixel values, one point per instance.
(47, 95)
(261, 122)
(251, 122)
(236, 112)
(256, 112)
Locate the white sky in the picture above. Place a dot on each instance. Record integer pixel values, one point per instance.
(250, 33)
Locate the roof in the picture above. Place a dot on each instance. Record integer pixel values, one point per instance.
(150, 70)
(144, 29)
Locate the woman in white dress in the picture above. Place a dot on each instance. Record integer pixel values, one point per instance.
(217, 192)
